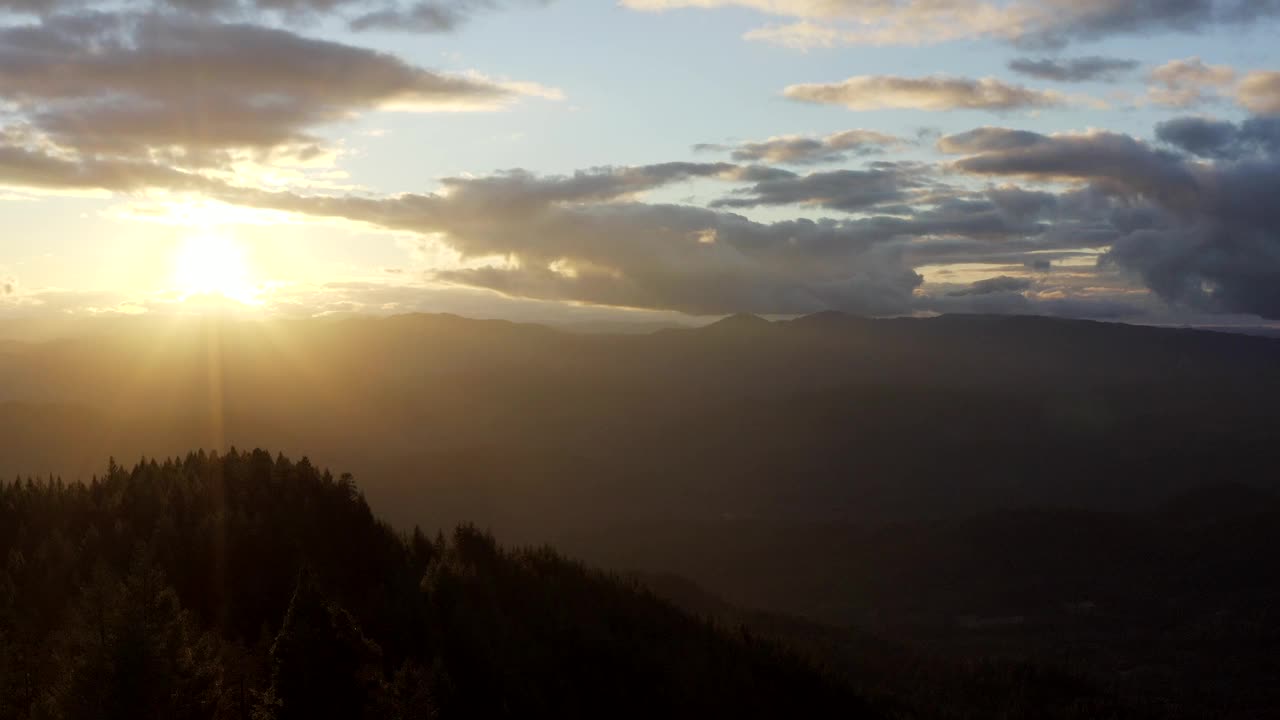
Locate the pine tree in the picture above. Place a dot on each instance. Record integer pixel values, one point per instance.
(322, 665)
(131, 653)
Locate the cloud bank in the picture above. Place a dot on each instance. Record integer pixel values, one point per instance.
(134, 87)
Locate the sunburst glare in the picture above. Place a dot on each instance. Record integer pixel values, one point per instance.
(213, 264)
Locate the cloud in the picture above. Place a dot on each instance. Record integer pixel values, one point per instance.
(794, 8)
(518, 189)
(1259, 92)
(1220, 139)
(986, 139)
(802, 150)
(1118, 162)
(1187, 83)
(1001, 284)
(1084, 69)
(828, 23)
(432, 16)
(1191, 217)
(1202, 235)
(585, 238)
(875, 92)
(22, 167)
(426, 16)
(1191, 82)
(138, 86)
(1056, 22)
(1021, 204)
(1029, 23)
(846, 190)
(1076, 296)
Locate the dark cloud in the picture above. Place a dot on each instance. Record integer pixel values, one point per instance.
(938, 92)
(1084, 69)
(1223, 255)
(1001, 284)
(798, 150)
(1022, 205)
(136, 85)
(1204, 236)
(1220, 139)
(518, 190)
(984, 217)
(1114, 161)
(847, 190)
(704, 262)
(433, 16)
(987, 139)
(1063, 21)
(1200, 136)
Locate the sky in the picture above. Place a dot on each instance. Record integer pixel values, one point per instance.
(670, 160)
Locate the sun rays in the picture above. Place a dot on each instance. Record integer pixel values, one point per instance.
(213, 264)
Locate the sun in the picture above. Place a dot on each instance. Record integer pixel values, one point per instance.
(213, 264)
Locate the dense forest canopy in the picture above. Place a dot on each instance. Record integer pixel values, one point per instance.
(238, 585)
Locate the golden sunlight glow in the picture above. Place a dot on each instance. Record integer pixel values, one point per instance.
(213, 264)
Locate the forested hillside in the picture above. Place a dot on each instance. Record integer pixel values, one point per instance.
(243, 585)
